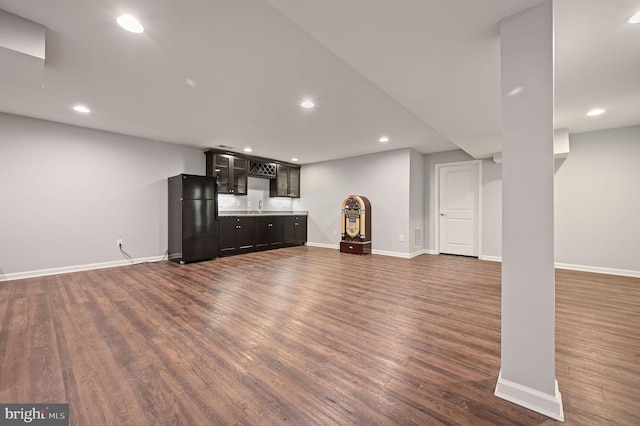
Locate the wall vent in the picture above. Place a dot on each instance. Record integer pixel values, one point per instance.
(417, 238)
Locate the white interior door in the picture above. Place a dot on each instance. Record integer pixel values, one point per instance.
(458, 208)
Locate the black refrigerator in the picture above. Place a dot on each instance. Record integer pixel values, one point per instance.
(193, 218)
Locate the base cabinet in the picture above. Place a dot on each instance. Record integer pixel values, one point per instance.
(295, 230)
(244, 234)
(268, 232)
(236, 235)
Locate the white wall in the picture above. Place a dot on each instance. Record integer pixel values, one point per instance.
(67, 193)
(383, 178)
(597, 203)
(491, 210)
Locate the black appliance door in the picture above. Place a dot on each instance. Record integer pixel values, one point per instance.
(199, 187)
(199, 230)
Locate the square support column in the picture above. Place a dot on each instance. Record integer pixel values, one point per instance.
(527, 375)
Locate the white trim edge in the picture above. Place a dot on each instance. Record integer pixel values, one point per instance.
(416, 253)
(76, 268)
(540, 402)
(322, 245)
(490, 258)
(373, 251)
(599, 270)
(582, 268)
(392, 253)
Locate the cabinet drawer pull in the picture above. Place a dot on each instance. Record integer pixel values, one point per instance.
(350, 247)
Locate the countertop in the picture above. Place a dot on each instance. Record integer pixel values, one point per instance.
(262, 213)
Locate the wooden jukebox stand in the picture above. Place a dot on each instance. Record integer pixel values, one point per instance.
(356, 225)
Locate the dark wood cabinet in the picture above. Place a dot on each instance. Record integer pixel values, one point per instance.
(236, 235)
(295, 230)
(243, 234)
(232, 172)
(286, 183)
(268, 232)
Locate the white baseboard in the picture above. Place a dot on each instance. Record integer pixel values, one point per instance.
(76, 268)
(391, 253)
(540, 402)
(373, 251)
(66, 269)
(490, 258)
(322, 245)
(416, 253)
(599, 270)
(582, 268)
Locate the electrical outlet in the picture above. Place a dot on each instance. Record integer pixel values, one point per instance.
(238, 203)
(335, 233)
(248, 203)
(118, 243)
(401, 237)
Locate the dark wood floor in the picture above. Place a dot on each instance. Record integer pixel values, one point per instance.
(306, 336)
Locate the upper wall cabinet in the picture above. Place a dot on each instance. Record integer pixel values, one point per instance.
(286, 183)
(232, 172)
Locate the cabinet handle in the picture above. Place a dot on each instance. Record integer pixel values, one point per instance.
(350, 247)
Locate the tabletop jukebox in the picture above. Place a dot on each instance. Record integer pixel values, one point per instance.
(356, 225)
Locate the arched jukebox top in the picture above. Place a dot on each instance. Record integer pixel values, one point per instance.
(356, 225)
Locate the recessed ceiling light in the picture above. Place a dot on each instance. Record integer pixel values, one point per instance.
(595, 112)
(190, 82)
(307, 104)
(294, 159)
(247, 149)
(635, 19)
(515, 91)
(383, 139)
(130, 23)
(81, 108)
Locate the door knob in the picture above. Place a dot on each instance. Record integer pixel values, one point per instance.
(442, 214)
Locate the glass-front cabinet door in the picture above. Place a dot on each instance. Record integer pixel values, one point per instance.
(294, 182)
(286, 183)
(240, 175)
(232, 172)
(223, 172)
(282, 178)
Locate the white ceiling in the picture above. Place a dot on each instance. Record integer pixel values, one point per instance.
(423, 72)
